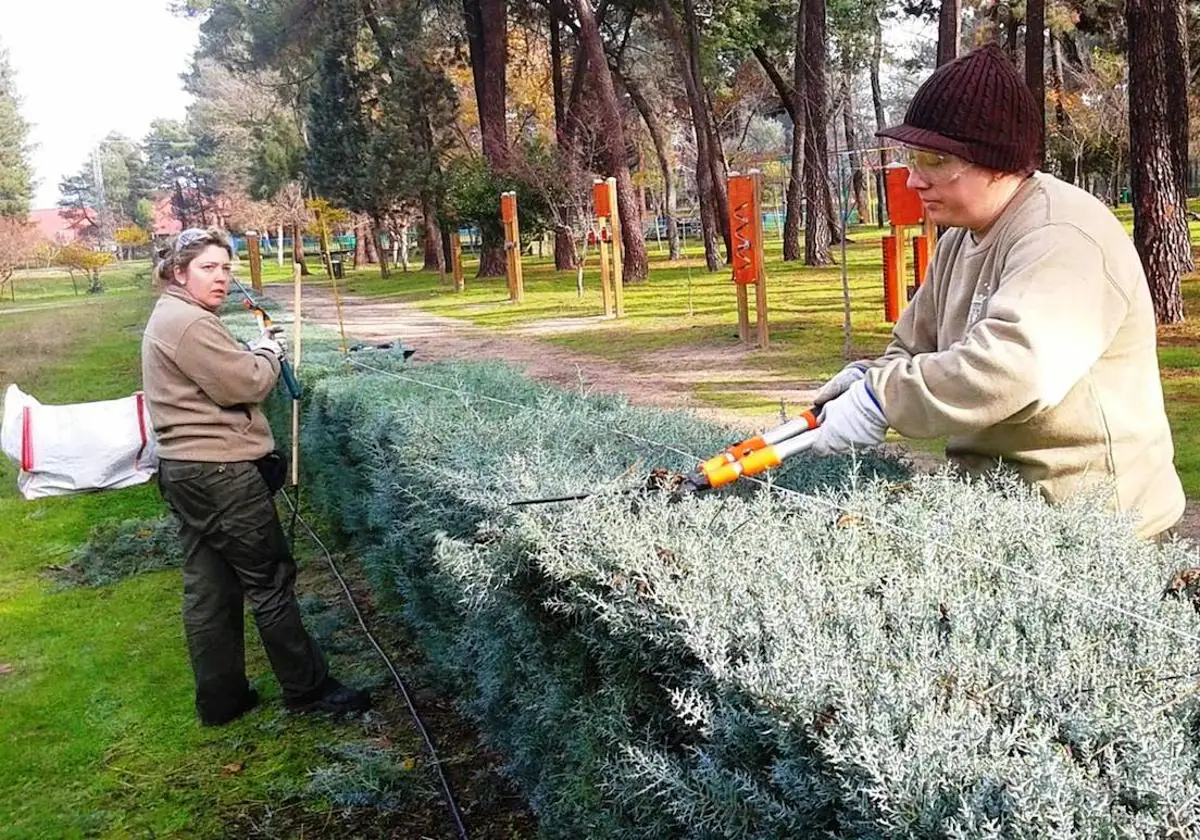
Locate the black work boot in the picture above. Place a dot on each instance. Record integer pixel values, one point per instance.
(332, 697)
(219, 702)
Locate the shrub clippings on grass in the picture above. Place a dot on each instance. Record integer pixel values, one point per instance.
(370, 775)
(117, 550)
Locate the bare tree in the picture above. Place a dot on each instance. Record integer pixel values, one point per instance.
(18, 243)
(293, 212)
(664, 153)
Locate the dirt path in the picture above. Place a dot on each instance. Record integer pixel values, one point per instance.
(664, 379)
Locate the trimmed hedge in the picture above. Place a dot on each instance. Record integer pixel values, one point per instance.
(876, 655)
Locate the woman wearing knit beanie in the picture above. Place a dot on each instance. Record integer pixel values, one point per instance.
(1032, 341)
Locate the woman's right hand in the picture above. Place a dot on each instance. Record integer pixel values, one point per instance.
(271, 340)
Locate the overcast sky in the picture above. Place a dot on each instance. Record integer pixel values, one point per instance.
(85, 68)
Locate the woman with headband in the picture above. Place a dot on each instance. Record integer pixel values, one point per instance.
(204, 389)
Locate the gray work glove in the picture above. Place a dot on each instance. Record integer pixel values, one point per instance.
(852, 421)
(271, 340)
(841, 383)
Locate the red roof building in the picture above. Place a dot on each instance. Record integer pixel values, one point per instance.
(54, 227)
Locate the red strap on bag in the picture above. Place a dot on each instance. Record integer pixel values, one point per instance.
(26, 439)
(141, 401)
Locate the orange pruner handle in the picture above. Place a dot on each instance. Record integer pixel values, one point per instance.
(757, 454)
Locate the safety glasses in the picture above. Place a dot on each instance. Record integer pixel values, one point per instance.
(935, 167)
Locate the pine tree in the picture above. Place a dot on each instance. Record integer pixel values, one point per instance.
(16, 169)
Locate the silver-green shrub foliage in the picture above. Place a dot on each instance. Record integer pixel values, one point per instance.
(875, 656)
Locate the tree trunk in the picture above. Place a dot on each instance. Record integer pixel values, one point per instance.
(564, 249)
(674, 238)
(1056, 78)
(556, 69)
(858, 179)
(380, 250)
(880, 117)
(370, 246)
(1012, 27)
(793, 218)
(1035, 67)
(949, 30)
(715, 156)
(662, 150)
(400, 244)
(1158, 146)
(360, 247)
(635, 259)
(298, 249)
(487, 39)
(790, 98)
(786, 92)
(817, 235)
(432, 237)
(709, 224)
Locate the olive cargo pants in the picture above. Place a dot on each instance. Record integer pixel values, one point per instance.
(235, 548)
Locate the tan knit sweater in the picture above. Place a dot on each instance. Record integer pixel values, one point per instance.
(1036, 345)
(202, 387)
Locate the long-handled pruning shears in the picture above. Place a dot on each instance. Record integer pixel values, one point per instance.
(743, 459)
(264, 323)
(755, 455)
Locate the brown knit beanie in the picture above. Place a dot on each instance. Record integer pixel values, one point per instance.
(978, 108)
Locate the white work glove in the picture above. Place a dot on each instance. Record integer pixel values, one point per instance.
(852, 421)
(837, 386)
(271, 340)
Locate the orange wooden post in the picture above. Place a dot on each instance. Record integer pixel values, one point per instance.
(512, 246)
(920, 260)
(745, 225)
(891, 280)
(256, 281)
(602, 202)
(904, 211)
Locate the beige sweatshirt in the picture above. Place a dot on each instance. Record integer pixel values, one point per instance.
(1036, 346)
(202, 387)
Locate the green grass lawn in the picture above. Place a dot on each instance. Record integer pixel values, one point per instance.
(97, 730)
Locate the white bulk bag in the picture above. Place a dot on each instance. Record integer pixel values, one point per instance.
(63, 449)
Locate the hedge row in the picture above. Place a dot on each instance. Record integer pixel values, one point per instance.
(858, 653)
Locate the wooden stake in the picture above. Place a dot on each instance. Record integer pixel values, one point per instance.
(456, 265)
(931, 235)
(512, 246)
(255, 261)
(618, 262)
(602, 248)
(743, 313)
(760, 285)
